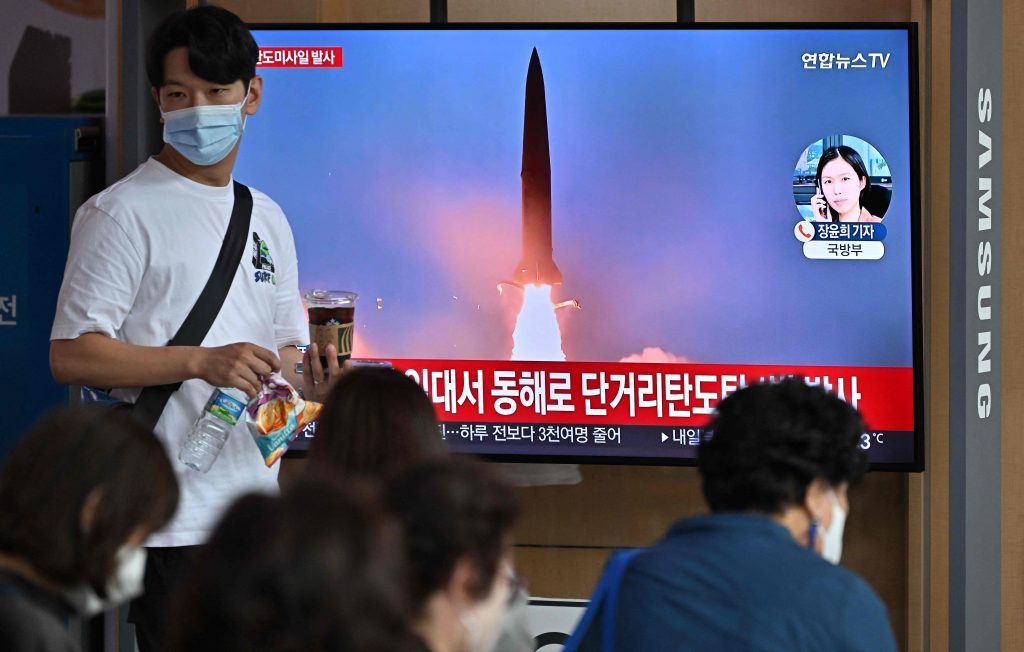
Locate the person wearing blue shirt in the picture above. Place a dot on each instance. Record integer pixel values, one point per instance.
(761, 571)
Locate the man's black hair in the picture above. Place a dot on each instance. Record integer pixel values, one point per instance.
(220, 48)
(770, 441)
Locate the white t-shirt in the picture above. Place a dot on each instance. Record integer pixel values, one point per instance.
(141, 253)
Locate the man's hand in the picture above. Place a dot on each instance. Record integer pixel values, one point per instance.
(235, 365)
(316, 385)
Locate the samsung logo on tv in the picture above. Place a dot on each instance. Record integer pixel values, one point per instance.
(984, 258)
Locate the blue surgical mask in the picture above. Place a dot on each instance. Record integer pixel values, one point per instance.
(205, 134)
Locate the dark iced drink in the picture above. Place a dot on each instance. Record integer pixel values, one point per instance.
(331, 321)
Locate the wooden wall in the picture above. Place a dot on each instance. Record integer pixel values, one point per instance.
(553, 11)
(803, 12)
(929, 507)
(1013, 328)
(327, 11)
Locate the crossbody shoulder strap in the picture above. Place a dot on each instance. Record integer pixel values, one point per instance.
(152, 401)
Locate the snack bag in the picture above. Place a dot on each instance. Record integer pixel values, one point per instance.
(276, 415)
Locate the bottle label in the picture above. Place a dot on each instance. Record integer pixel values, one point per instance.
(225, 407)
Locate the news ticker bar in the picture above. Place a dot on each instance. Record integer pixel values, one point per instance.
(588, 440)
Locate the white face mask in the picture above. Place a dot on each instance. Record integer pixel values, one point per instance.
(515, 627)
(124, 585)
(831, 537)
(484, 621)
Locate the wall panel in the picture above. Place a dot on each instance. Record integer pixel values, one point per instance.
(555, 11)
(1013, 329)
(802, 12)
(330, 11)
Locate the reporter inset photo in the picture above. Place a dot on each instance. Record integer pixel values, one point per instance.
(842, 178)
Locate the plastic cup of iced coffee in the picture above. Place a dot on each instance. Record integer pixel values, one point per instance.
(331, 321)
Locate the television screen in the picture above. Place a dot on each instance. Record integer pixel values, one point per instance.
(578, 239)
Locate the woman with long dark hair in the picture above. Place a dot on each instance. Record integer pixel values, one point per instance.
(375, 420)
(842, 185)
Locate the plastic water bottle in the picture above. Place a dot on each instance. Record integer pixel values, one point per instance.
(212, 428)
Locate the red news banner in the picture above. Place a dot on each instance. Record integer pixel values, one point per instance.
(639, 393)
(307, 57)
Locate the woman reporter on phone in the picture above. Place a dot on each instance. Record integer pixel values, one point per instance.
(842, 185)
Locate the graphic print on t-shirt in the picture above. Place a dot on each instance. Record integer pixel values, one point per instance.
(262, 261)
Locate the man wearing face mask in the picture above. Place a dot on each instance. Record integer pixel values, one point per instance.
(141, 254)
(761, 571)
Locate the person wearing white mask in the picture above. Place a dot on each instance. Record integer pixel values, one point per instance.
(456, 519)
(761, 572)
(78, 496)
(142, 253)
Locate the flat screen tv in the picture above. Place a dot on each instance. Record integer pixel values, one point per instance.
(578, 238)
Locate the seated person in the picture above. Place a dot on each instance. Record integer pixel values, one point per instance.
(761, 571)
(78, 496)
(456, 518)
(315, 568)
(375, 420)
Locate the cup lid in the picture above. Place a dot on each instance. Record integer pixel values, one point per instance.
(334, 298)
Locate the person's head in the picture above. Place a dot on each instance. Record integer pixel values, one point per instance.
(374, 421)
(786, 450)
(843, 180)
(196, 60)
(84, 485)
(315, 568)
(456, 517)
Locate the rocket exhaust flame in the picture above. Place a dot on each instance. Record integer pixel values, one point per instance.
(536, 335)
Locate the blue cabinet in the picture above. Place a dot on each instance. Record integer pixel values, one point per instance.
(48, 167)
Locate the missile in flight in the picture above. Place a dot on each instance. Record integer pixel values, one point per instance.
(537, 265)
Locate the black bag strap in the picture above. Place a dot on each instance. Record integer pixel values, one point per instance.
(152, 401)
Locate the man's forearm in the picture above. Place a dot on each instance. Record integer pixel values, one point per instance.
(97, 360)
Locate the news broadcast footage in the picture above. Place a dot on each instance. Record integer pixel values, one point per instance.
(579, 240)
